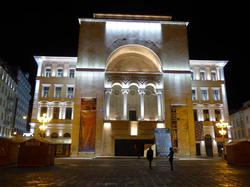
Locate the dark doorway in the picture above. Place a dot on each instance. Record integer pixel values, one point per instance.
(220, 148)
(198, 149)
(132, 115)
(208, 145)
(131, 147)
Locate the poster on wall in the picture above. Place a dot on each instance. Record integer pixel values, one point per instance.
(162, 141)
(87, 125)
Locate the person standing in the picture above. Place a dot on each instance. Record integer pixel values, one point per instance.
(150, 154)
(171, 158)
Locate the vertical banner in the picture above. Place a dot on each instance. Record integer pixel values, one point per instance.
(87, 125)
(162, 141)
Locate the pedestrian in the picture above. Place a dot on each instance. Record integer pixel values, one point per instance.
(171, 158)
(150, 156)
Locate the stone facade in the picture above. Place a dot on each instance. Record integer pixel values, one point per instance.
(133, 75)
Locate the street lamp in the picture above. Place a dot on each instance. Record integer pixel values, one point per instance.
(222, 125)
(43, 119)
(223, 131)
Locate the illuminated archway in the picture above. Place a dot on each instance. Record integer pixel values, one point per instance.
(133, 58)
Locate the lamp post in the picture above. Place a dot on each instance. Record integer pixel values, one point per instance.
(223, 131)
(43, 119)
(222, 125)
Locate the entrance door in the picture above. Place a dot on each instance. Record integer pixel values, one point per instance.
(131, 147)
(208, 145)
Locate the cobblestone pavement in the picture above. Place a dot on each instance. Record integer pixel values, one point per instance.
(127, 172)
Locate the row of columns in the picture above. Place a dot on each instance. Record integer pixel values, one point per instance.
(141, 92)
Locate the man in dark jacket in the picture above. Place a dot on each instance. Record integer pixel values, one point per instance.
(150, 156)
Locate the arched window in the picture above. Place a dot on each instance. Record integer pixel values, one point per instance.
(48, 72)
(66, 135)
(54, 135)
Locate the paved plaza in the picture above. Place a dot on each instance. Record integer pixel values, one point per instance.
(127, 172)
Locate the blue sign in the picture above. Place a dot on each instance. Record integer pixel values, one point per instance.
(162, 141)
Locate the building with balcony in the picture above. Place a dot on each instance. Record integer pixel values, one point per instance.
(132, 85)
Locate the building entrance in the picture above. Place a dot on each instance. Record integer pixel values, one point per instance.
(131, 147)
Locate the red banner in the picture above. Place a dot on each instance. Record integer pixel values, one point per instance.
(87, 125)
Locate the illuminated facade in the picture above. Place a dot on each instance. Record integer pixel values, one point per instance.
(132, 79)
(240, 123)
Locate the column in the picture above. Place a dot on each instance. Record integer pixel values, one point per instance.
(125, 103)
(141, 93)
(218, 73)
(159, 104)
(107, 98)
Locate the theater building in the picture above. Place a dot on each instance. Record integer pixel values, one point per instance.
(131, 86)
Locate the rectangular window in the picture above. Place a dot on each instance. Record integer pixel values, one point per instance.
(204, 95)
(68, 113)
(70, 92)
(58, 92)
(71, 73)
(192, 75)
(56, 113)
(194, 94)
(43, 111)
(216, 95)
(206, 115)
(217, 115)
(213, 76)
(48, 72)
(202, 75)
(246, 119)
(59, 72)
(45, 91)
(195, 115)
(134, 128)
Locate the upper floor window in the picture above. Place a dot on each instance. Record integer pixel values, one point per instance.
(213, 76)
(192, 75)
(58, 92)
(204, 95)
(194, 94)
(246, 119)
(216, 95)
(71, 73)
(70, 92)
(206, 115)
(56, 112)
(43, 111)
(45, 91)
(195, 115)
(60, 72)
(217, 115)
(68, 113)
(202, 75)
(48, 72)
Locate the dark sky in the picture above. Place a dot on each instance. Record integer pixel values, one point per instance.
(217, 31)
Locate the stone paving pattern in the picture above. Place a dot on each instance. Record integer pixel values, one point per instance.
(127, 172)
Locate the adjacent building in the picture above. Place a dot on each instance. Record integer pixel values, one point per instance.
(14, 101)
(240, 123)
(7, 102)
(131, 86)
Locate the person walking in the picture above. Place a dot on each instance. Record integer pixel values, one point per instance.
(171, 158)
(150, 154)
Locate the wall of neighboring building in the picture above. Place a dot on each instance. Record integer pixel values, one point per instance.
(7, 103)
(58, 104)
(240, 123)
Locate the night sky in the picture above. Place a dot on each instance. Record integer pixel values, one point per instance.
(216, 32)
